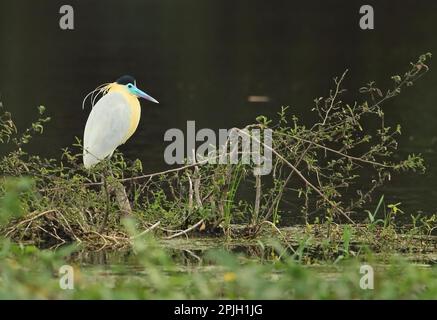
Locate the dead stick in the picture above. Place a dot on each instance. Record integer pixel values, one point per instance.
(108, 201)
(146, 231)
(185, 231)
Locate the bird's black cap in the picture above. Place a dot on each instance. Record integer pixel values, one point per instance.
(126, 79)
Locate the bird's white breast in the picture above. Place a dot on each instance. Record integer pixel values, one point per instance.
(111, 122)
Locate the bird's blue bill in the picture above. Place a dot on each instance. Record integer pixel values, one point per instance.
(144, 95)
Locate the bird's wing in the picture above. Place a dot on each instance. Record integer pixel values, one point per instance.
(106, 128)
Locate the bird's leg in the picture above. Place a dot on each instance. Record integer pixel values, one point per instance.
(123, 200)
(108, 199)
(121, 195)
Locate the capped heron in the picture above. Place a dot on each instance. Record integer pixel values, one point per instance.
(111, 122)
(113, 119)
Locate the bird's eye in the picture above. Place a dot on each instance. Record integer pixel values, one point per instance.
(129, 85)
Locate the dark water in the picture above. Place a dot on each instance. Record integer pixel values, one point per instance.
(202, 59)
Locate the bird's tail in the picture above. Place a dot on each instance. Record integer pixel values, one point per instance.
(89, 160)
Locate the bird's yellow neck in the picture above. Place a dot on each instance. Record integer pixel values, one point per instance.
(133, 103)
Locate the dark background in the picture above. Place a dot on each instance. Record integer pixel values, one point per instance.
(202, 59)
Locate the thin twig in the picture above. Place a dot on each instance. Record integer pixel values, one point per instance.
(280, 233)
(146, 231)
(334, 97)
(184, 232)
(343, 154)
(303, 178)
(29, 220)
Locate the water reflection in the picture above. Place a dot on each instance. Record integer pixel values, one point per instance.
(200, 256)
